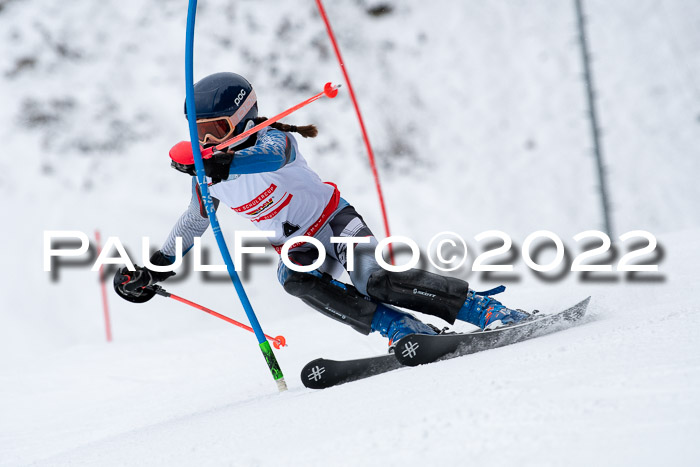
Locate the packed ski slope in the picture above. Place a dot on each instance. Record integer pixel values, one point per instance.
(478, 117)
(619, 389)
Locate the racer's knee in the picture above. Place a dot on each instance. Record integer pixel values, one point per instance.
(365, 265)
(334, 299)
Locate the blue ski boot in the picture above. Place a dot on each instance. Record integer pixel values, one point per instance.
(395, 324)
(480, 309)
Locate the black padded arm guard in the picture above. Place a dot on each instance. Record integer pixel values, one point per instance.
(418, 290)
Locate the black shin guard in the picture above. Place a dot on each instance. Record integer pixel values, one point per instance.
(418, 290)
(339, 301)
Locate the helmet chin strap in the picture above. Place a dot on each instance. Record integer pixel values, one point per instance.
(246, 142)
(249, 124)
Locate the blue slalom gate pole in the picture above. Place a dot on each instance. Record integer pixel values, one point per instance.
(209, 205)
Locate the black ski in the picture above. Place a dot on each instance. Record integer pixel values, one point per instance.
(417, 349)
(323, 373)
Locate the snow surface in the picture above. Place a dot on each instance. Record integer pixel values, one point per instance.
(477, 114)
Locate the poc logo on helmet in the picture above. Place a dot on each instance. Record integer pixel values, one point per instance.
(240, 97)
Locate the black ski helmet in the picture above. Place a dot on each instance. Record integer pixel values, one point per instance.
(226, 94)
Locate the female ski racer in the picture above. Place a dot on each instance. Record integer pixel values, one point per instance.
(265, 179)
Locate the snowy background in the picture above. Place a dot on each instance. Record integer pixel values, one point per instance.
(477, 114)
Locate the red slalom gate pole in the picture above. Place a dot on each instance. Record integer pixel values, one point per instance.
(105, 304)
(277, 342)
(370, 153)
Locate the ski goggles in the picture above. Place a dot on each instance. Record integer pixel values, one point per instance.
(215, 130)
(219, 129)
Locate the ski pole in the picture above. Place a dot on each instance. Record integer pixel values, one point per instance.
(329, 91)
(208, 203)
(277, 342)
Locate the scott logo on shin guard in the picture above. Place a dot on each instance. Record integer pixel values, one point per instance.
(420, 292)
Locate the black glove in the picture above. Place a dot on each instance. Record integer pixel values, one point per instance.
(218, 165)
(134, 285)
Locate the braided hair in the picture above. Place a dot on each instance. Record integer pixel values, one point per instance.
(307, 131)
